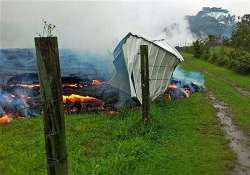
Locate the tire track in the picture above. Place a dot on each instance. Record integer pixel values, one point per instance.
(237, 138)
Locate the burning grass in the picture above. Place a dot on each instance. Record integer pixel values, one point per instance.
(183, 138)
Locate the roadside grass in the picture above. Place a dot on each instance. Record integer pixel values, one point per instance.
(183, 138)
(218, 80)
(220, 72)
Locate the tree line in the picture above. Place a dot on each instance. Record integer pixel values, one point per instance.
(233, 52)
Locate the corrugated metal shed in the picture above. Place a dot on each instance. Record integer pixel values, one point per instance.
(162, 61)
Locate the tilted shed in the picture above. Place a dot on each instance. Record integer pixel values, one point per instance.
(163, 59)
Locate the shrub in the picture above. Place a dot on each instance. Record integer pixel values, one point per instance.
(235, 59)
(201, 49)
(240, 61)
(197, 48)
(205, 52)
(221, 56)
(212, 58)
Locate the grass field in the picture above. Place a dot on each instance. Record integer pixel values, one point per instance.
(183, 138)
(222, 83)
(220, 72)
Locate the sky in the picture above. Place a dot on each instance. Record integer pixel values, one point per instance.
(97, 26)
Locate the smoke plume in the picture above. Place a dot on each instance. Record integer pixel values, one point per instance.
(97, 26)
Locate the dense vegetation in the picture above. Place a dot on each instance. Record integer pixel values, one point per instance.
(233, 53)
(183, 138)
(241, 36)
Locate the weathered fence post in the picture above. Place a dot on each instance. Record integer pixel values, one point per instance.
(145, 82)
(51, 95)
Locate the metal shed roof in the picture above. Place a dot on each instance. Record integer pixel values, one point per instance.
(161, 43)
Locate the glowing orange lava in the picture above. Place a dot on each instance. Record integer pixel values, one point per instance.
(172, 86)
(72, 85)
(96, 82)
(30, 86)
(5, 119)
(74, 98)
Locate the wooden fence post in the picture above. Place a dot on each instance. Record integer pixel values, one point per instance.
(145, 82)
(51, 95)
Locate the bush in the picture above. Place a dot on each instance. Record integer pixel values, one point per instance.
(224, 61)
(205, 52)
(201, 49)
(235, 59)
(212, 58)
(240, 61)
(197, 48)
(220, 56)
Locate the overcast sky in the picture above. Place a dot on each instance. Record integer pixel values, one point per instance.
(99, 25)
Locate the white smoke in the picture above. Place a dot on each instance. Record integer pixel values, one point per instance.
(96, 26)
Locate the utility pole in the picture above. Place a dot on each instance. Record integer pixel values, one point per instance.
(51, 95)
(145, 83)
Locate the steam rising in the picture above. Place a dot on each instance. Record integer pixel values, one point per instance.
(98, 26)
(188, 77)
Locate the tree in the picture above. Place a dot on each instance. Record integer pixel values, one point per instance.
(241, 35)
(197, 48)
(213, 40)
(201, 49)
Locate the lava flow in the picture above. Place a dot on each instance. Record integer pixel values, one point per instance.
(74, 98)
(177, 89)
(96, 82)
(22, 99)
(64, 84)
(5, 119)
(77, 103)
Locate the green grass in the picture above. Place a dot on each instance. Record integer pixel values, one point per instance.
(220, 72)
(220, 49)
(221, 82)
(183, 138)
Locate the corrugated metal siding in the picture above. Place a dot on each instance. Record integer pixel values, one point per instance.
(161, 66)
